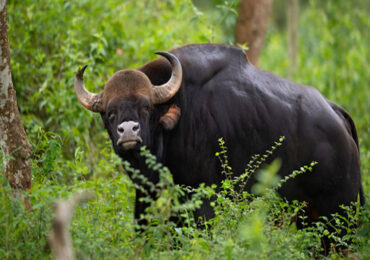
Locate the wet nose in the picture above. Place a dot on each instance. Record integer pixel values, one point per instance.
(128, 128)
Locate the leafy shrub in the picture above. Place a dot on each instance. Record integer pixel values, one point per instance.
(47, 48)
(245, 225)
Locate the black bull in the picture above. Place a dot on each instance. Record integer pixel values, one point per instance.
(220, 94)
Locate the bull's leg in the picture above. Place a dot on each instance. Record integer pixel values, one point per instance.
(205, 212)
(325, 209)
(140, 207)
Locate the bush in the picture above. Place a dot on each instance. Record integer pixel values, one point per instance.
(47, 48)
(251, 225)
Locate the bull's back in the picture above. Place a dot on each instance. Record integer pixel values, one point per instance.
(223, 95)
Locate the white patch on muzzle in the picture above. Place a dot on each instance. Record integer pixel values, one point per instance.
(128, 133)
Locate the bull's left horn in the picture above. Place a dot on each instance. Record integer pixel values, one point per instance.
(165, 92)
(91, 101)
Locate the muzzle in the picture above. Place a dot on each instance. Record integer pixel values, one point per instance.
(128, 133)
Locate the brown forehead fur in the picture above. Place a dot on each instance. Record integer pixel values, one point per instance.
(127, 83)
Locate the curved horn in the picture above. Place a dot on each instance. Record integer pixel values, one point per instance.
(166, 91)
(91, 101)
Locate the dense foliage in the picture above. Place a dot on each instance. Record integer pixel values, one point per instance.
(50, 39)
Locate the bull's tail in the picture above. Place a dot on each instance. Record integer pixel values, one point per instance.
(352, 130)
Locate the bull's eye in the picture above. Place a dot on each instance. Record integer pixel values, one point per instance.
(146, 108)
(111, 117)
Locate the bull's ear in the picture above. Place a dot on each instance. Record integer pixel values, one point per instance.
(170, 119)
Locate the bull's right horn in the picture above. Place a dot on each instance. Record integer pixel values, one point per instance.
(91, 101)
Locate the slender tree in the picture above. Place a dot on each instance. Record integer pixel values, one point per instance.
(13, 140)
(252, 25)
(292, 18)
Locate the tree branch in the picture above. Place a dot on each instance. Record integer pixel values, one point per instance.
(60, 238)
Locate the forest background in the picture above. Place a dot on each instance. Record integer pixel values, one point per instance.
(49, 40)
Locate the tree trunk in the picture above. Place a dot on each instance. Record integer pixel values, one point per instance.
(292, 18)
(13, 140)
(251, 26)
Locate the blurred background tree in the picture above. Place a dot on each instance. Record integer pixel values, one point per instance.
(292, 24)
(252, 25)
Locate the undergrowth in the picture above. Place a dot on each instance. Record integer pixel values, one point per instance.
(256, 224)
